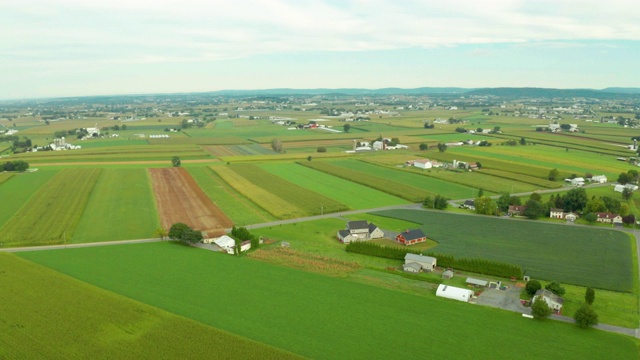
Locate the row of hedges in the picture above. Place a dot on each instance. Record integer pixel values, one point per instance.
(480, 266)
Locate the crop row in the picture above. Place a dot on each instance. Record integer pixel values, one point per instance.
(306, 199)
(53, 213)
(522, 178)
(275, 205)
(398, 189)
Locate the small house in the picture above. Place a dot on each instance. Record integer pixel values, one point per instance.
(554, 301)
(601, 179)
(411, 237)
(469, 204)
(570, 216)
(516, 210)
(245, 245)
(447, 274)
(609, 218)
(427, 263)
(577, 181)
(555, 213)
(455, 293)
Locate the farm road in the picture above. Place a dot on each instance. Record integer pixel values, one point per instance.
(71, 246)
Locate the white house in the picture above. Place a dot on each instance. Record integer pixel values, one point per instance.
(427, 263)
(609, 218)
(556, 213)
(577, 181)
(245, 245)
(454, 293)
(554, 301)
(359, 230)
(599, 179)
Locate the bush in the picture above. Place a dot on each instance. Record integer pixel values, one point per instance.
(321, 149)
(585, 316)
(540, 309)
(555, 288)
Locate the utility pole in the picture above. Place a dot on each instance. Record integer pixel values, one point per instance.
(321, 210)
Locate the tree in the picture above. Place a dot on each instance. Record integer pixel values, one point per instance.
(503, 202)
(565, 127)
(535, 196)
(428, 202)
(309, 158)
(595, 206)
(485, 206)
(496, 129)
(442, 147)
(161, 233)
(591, 218)
(553, 174)
(440, 202)
(175, 161)
(623, 178)
(575, 200)
(627, 193)
(533, 209)
(123, 127)
(276, 145)
(589, 296)
(322, 149)
(532, 287)
(423, 146)
(629, 219)
(346, 127)
(555, 288)
(176, 230)
(523, 141)
(20, 166)
(480, 192)
(191, 236)
(540, 309)
(585, 316)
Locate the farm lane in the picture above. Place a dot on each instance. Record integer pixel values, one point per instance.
(82, 245)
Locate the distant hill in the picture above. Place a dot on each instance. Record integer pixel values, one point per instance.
(532, 92)
(622, 90)
(343, 91)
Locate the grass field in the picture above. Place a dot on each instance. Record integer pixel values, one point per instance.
(312, 313)
(600, 258)
(241, 210)
(353, 195)
(53, 213)
(5, 176)
(17, 192)
(120, 207)
(48, 315)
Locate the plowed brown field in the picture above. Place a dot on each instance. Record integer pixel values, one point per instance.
(180, 199)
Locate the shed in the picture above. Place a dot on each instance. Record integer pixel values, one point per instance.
(412, 267)
(427, 263)
(476, 282)
(447, 274)
(454, 293)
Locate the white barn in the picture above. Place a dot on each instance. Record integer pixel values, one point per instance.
(454, 293)
(427, 263)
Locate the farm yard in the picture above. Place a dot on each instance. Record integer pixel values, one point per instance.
(179, 199)
(275, 297)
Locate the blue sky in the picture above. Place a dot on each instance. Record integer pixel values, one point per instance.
(54, 48)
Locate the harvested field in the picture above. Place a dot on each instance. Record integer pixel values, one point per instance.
(179, 199)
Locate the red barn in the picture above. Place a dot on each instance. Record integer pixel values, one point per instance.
(410, 237)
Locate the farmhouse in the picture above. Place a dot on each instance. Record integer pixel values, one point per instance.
(516, 210)
(601, 179)
(411, 237)
(554, 301)
(359, 230)
(426, 263)
(469, 204)
(575, 181)
(555, 213)
(454, 293)
(609, 218)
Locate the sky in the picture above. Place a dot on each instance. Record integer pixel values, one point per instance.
(54, 48)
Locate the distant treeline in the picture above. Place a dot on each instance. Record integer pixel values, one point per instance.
(480, 266)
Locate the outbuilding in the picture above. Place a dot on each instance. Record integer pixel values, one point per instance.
(412, 267)
(427, 263)
(455, 293)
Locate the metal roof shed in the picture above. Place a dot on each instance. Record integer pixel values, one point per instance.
(476, 282)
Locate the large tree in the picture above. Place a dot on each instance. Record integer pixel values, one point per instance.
(532, 286)
(485, 206)
(575, 199)
(346, 127)
(175, 161)
(533, 209)
(553, 174)
(540, 309)
(585, 316)
(176, 231)
(555, 288)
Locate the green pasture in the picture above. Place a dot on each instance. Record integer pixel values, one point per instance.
(305, 307)
(585, 256)
(354, 195)
(17, 191)
(52, 214)
(48, 315)
(429, 184)
(213, 139)
(5, 176)
(241, 210)
(121, 206)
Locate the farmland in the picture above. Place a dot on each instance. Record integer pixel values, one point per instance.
(53, 213)
(178, 279)
(48, 315)
(120, 207)
(599, 258)
(16, 192)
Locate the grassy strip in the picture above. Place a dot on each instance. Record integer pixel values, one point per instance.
(311, 202)
(252, 298)
(548, 184)
(54, 211)
(240, 209)
(395, 188)
(48, 315)
(275, 205)
(120, 207)
(305, 261)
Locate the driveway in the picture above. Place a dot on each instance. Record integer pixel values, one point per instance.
(503, 299)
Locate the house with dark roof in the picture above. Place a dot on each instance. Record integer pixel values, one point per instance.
(359, 230)
(411, 237)
(516, 210)
(609, 218)
(469, 204)
(554, 301)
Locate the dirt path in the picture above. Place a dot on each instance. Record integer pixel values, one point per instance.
(147, 162)
(180, 199)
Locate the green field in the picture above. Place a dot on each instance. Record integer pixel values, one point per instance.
(48, 315)
(16, 192)
(312, 314)
(354, 195)
(120, 207)
(241, 210)
(52, 214)
(600, 258)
